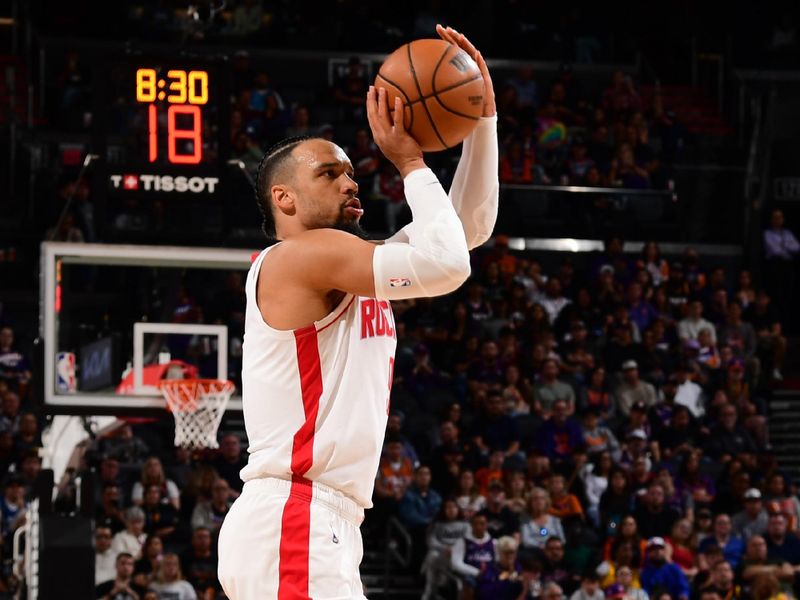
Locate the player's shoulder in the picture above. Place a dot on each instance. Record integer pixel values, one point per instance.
(312, 247)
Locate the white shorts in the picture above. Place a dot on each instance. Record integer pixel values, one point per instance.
(291, 540)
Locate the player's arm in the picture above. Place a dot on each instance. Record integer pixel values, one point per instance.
(435, 260)
(476, 187)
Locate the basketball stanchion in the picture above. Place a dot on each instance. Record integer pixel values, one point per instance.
(198, 406)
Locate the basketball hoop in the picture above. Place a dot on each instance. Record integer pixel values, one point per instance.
(198, 406)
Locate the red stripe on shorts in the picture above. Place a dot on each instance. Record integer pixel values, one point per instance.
(296, 520)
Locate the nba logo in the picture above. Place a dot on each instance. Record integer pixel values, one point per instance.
(66, 383)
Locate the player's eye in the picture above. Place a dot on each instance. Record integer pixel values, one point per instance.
(330, 173)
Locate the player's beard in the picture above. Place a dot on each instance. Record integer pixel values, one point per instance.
(351, 226)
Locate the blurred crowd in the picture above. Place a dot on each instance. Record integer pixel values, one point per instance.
(595, 429)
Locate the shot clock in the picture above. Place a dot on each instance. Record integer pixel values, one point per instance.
(162, 126)
(183, 94)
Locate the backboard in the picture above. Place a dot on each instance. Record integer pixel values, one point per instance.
(114, 319)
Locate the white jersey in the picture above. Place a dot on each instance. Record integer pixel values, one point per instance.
(316, 399)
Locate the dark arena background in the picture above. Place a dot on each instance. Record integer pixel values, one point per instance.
(609, 406)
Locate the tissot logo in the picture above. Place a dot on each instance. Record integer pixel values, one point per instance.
(164, 183)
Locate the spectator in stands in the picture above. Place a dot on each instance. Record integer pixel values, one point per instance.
(132, 538)
(210, 514)
(732, 546)
(153, 475)
(11, 411)
(161, 518)
(12, 509)
(350, 90)
(550, 389)
(594, 394)
(146, 568)
(109, 474)
(230, 461)
(502, 578)
(122, 586)
(109, 511)
(468, 496)
(560, 435)
(780, 250)
(448, 529)
(501, 520)
(633, 390)
(768, 326)
(497, 431)
(199, 564)
(737, 334)
(727, 438)
(540, 525)
(654, 517)
(563, 504)
(553, 299)
(660, 572)
(722, 582)
(105, 558)
(124, 446)
(555, 567)
(625, 554)
(690, 327)
(625, 172)
(779, 498)
(682, 546)
(518, 167)
(527, 90)
(473, 553)
(687, 392)
(590, 588)
(756, 563)
(170, 582)
(753, 519)
(418, 508)
(782, 544)
(301, 122)
(14, 368)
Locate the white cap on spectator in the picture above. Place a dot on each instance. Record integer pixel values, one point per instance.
(655, 542)
(752, 494)
(638, 433)
(629, 364)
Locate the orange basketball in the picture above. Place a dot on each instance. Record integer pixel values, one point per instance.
(441, 88)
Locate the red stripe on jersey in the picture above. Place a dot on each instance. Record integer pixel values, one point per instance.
(311, 388)
(296, 519)
(295, 534)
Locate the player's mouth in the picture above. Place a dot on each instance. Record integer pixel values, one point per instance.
(353, 207)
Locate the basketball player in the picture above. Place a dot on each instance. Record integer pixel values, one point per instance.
(319, 345)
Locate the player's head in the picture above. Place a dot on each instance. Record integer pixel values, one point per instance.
(307, 183)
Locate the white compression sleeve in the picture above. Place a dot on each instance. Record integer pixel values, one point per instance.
(475, 189)
(435, 260)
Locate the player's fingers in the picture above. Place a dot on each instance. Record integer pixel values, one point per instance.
(398, 115)
(372, 113)
(444, 33)
(463, 42)
(383, 108)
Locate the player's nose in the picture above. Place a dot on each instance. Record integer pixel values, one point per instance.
(349, 187)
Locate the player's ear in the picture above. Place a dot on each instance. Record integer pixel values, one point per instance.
(283, 198)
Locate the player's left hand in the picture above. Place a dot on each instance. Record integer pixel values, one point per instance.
(448, 34)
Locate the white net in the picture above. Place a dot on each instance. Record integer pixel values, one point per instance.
(198, 406)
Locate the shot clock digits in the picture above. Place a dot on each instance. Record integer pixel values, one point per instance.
(186, 92)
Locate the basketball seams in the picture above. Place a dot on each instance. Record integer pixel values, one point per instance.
(419, 91)
(408, 101)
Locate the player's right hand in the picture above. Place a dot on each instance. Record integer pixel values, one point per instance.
(389, 132)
